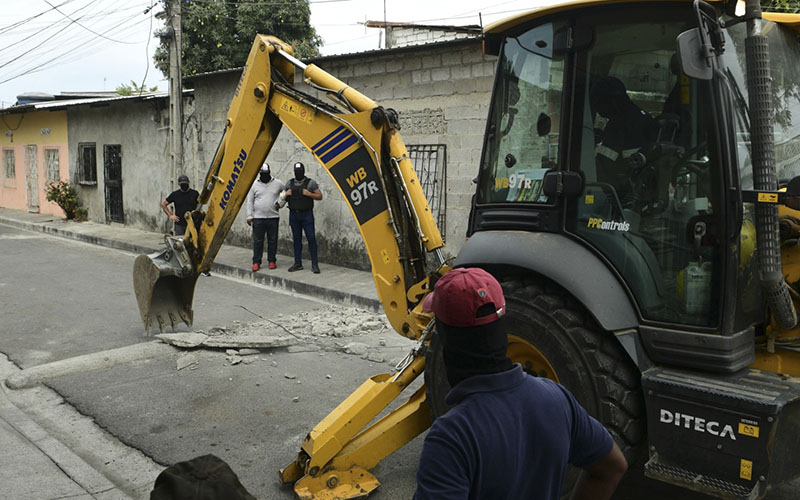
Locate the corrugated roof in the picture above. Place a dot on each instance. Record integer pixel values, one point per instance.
(370, 52)
(471, 28)
(54, 105)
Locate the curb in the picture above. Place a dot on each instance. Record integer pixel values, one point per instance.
(83, 474)
(217, 267)
(95, 361)
(298, 287)
(94, 240)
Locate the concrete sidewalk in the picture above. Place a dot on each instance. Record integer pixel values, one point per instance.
(35, 465)
(335, 284)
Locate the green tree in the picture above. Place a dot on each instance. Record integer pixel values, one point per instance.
(133, 89)
(218, 34)
(791, 6)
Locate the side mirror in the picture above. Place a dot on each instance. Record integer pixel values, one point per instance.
(556, 183)
(694, 55)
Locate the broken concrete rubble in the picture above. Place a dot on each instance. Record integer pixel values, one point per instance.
(357, 348)
(194, 339)
(337, 329)
(186, 360)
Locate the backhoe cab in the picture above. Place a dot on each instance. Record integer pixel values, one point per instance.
(644, 290)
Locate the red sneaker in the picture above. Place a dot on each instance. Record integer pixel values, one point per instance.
(256, 267)
(272, 265)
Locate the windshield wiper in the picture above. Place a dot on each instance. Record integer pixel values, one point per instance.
(740, 100)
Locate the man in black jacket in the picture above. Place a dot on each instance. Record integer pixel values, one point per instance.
(183, 200)
(301, 192)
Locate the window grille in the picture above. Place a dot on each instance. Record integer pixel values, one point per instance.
(87, 163)
(430, 163)
(10, 163)
(51, 158)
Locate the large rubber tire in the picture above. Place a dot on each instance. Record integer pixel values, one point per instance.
(552, 335)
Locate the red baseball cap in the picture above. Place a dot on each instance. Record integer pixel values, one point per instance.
(458, 295)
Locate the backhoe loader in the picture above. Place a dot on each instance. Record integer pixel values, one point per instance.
(636, 198)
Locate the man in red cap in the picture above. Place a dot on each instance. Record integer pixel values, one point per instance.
(509, 435)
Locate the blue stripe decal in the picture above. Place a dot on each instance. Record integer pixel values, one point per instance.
(320, 143)
(338, 149)
(333, 142)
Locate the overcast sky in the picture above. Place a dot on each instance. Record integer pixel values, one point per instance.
(54, 46)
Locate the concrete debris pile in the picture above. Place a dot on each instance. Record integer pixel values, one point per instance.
(346, 330)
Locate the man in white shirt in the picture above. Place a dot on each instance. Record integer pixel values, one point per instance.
(263, 203)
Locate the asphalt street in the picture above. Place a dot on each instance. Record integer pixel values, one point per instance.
(60, 299)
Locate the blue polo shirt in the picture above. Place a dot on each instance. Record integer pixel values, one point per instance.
(510, 436)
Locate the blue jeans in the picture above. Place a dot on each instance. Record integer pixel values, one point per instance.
(299, 221)
(260, 228)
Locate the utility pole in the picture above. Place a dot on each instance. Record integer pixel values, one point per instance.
(175, 90)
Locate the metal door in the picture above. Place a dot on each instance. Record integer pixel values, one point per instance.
(31, 178)
(112, 161)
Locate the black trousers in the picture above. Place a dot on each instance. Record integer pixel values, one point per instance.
(262, 227)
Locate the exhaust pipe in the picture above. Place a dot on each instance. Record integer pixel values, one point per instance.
(164, 283)
(762, 140)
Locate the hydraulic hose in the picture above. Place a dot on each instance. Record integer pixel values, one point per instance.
(759, 84)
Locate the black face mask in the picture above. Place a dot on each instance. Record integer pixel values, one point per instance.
(184, 186)
(476, 350)
(299, 173)
(264, 177)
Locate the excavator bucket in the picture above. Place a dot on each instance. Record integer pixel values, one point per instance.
(164, 284)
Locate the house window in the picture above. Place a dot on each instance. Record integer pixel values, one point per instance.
(430, 164)
(87, 163)
(51, 158)
(8, 161)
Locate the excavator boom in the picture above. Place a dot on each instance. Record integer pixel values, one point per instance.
(361, 150)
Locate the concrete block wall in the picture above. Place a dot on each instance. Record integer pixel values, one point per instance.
(442, 95)
(405, 36)
(141, 129)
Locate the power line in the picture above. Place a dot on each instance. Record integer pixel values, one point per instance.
(72, 52)
(20, 23)
(37, 46)
(38, 26)
(477, 11)
(147, 49)
(107, 14)
(84, 27)
(469, 16)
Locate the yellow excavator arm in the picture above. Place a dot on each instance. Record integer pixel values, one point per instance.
(359, 147)
(358, 143)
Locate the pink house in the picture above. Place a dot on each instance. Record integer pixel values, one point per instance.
(33, 152)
